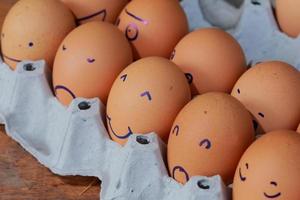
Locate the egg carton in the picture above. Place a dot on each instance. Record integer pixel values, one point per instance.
(253, 25)
(74, 141)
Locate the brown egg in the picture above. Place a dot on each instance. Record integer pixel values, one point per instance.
(270, 168)
(212, 60)
(89, 60)
(271, 92)
(33, 30)
(146, 97)
(208, 137)
(153, 28)
(96, 10)
(288, 13)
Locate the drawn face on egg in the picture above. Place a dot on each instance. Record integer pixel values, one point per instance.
(272, 186)
(270, 91)
(199, 141)
(153, 29)
(179, 172)
(27, 32)
(86, 64)
(269, 169)
(146, 97)
(95, 10)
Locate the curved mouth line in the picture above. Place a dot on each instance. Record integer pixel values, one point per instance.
(115, 134)
(181, 169)
(93, 15)
(241, 176)
(11, 59)
(272, 196)
(61, 87)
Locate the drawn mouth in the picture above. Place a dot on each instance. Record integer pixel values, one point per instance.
(182, 170)
(11, 59)
(102, 12)
(272, 196)
(61, 87)
(115, 134)
(241, 176)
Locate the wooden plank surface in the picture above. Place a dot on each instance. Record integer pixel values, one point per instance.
(23, 178)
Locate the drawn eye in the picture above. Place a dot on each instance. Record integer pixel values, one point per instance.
(261, 114)
(132, 32)
(147, 94)
(239, 91)
(205, 143)
(90, 60)
(175, 130)
(64, 48)
(273, 183)
(123, 77)
(30, 44)
(247, 165)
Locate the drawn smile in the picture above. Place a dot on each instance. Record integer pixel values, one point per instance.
(115, 134)
(61, 87)
(11, 59)
(182, 170)
(102, 12)
(272, 196)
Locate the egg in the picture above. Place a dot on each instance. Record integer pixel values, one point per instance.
(96, 10)
(33, 30)
(288, 13)
(153, 28)
(208, 137)
(88, 61)
(212, 60)
(270, 168)
(146, 97)
(271, 92)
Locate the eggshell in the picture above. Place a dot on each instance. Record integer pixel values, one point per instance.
(146, 97)
(96, 10)
(153, 28)
(208, 137)
(34, 29)
(271, 92)
(270, 168)
(288, 13)
(88, 61)
(212, 60)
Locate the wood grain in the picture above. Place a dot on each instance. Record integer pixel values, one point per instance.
(23, 178)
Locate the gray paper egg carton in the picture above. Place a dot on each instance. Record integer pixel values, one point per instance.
(74, 140)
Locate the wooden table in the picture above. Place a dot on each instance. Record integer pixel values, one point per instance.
(23, 178)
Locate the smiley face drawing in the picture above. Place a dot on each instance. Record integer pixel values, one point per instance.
(270, 168)
(86, 64)
(146, 97)
(153, 28)
(208, 137)
(31, 31)
(270, 91)
(95, 10)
